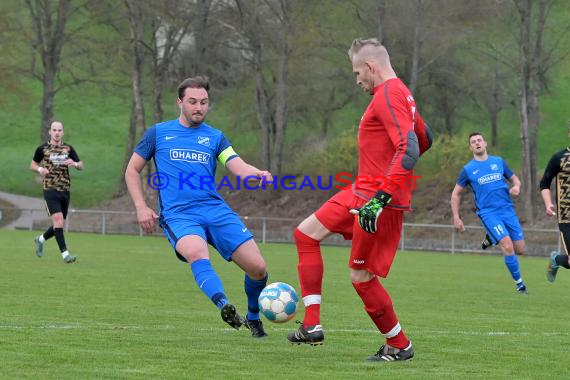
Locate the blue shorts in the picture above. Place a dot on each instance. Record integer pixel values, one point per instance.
(501, 224)
(219, 225)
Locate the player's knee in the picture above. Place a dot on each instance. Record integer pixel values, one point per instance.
(303, 239)
(192, 256)
(257, 271)
(507, 246)
(520, 247)
(360, 276)
(57, 220)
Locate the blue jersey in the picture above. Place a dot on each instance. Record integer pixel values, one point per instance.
(185, 159)
(487, 181)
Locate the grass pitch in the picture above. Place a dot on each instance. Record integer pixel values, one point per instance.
(129, 309)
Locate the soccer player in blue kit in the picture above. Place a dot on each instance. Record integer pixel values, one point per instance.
(487, 177)
(192, 213)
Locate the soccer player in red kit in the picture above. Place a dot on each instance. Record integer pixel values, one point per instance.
(391, 137)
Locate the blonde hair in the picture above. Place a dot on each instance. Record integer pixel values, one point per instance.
(369, 49)
(360, 43)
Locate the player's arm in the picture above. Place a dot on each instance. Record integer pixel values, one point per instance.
(547, 199)
(550, 172)
(515, 182)
(73, 160)
(228, 157)
(241, 168)
(461, 183)
(396, 113)
(35, 167)
(74, 163)
(35, 164)
(455, 201)
(145, 215)
(144, 151)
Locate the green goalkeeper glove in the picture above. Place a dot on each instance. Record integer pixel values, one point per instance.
(368, 214)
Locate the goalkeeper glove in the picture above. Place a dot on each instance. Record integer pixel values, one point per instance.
(368, 214)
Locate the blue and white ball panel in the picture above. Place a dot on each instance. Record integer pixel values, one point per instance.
(278, 302)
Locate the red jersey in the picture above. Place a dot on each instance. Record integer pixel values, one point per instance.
(388, 145)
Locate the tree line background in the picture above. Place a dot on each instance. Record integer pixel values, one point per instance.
(279, 68)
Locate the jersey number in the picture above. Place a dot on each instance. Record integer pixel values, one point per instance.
(499, 229)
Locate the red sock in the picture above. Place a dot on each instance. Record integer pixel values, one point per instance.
(310, 276)
(378, 305)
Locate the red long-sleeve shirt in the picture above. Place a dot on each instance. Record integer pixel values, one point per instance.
(386, 148)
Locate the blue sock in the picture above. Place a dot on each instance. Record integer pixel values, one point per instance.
(209, 282)
(512, 263)
(252, 289)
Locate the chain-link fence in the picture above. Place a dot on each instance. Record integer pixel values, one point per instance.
(422, 237)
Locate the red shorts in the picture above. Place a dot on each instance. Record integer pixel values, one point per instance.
(372, 252)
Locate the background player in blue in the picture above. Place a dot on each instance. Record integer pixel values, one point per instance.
(192, 213)
(487, 177)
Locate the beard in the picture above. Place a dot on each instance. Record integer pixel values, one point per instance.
(194, 118)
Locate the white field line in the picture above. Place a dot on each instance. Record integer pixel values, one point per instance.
(271, 328)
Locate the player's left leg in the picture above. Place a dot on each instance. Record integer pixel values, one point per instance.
(227, 233)
(512, 262)
(516, 234)
(67, 257)
(248, 257)
(500, 234)
(372, 256)
(378, 305)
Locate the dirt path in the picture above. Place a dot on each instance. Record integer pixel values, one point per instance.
(31, 210)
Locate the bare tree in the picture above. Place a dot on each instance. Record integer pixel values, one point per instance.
(531, 71)
(135, 15)
(268, 57)
(491, 93)
(9, 82)
(171, 22)
(48, 23)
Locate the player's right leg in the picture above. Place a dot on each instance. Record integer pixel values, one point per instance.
(248, 257)
(333, 217)
(194, 250)
(49, 233)
(552, 268)
(378, 305)
(308, 236)
(559, 259)
(41, 239)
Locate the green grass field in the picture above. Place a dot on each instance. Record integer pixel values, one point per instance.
(129, 309)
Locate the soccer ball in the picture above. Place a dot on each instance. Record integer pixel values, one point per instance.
(278, 302)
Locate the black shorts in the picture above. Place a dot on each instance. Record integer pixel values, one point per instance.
(57, 201)
(565, 235)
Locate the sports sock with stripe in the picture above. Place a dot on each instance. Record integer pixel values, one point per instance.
(310, 269)
(208, 281)
(378, 305)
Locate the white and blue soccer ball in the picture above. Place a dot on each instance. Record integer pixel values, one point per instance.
(278, 302)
